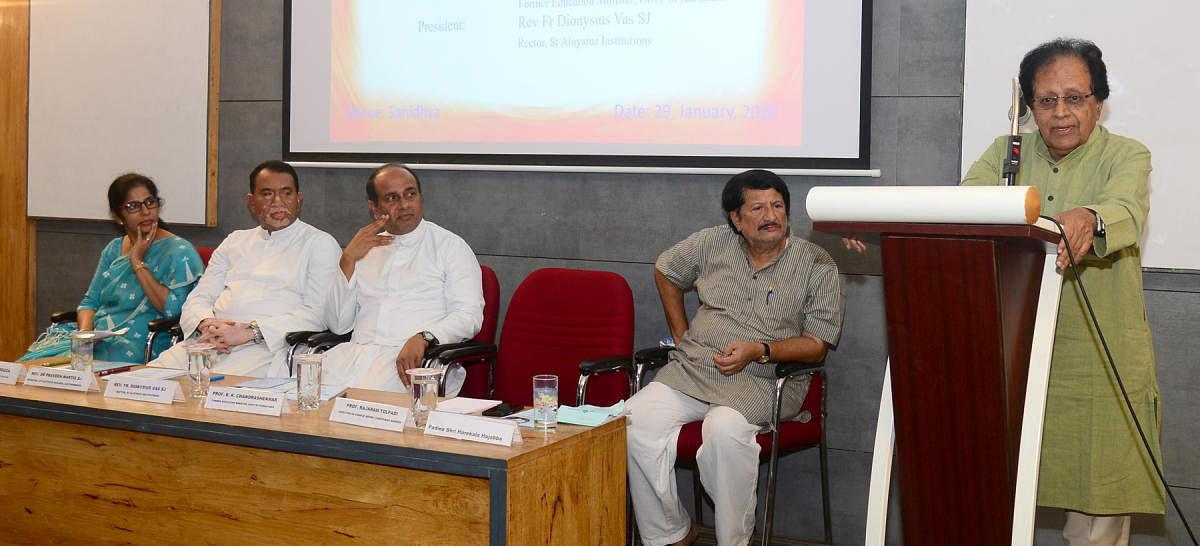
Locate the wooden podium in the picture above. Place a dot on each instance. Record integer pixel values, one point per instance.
(970, 309)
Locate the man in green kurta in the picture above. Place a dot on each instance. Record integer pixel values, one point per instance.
(1095, 184)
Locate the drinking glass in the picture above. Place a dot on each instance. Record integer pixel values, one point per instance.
(424, 393)
(308, 380)
(545, 402)
(81, 350)
(200, 360)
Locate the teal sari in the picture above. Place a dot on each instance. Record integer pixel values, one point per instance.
(119, 301)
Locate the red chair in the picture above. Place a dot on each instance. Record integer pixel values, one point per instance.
(558, 320)
(782, 437)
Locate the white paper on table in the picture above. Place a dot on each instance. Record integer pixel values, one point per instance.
(466, 405)
(147, 373)
(273, 384)
(98, 335)
(99, 366)
(523, 418)
(327, 392)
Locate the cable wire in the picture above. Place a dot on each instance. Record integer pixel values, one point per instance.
(1112, 365)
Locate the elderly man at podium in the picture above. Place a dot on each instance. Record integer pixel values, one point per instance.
(1095, 184)
(766, 296)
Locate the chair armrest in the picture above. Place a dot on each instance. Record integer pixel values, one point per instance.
(324, 340)
(62, 316)
(652, 358)
(606, 364)
(163, 324)
(786, 369)
(457, 351)
(293, 338)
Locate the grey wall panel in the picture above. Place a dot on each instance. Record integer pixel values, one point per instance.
(66, 262)
(252, 50)
(932, 39)
(249, 134)
(1173, 318)
(885, 50)
(930, 129)
(856, 366)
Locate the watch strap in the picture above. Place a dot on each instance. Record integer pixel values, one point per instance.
(766, 357)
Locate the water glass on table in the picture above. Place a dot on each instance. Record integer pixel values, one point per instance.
(545, 402)
(200, 360)
(308, 380)
(424, 392)
(81, 350)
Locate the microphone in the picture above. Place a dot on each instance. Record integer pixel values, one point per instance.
(1012, 163)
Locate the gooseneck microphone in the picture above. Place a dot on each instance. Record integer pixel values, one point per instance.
(1017, 113)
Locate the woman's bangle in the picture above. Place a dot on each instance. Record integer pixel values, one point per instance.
(139, 265)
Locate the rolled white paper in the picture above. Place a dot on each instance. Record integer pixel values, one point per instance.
(925, 204)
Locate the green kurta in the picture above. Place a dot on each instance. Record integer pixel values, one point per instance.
(1092, 458)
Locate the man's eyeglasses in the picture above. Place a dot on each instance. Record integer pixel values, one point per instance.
(1073, 101)
(133, 207)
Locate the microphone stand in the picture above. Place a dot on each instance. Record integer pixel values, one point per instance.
(1012, 163)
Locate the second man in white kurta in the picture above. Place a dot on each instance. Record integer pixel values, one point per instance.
(405, 283)
(261, 283)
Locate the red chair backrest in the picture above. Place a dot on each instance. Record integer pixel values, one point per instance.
(491, 306)
(205, 253)
(476, 383)
(557, 318)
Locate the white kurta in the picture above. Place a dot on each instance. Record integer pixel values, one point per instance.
(427, 279)
(278, 279)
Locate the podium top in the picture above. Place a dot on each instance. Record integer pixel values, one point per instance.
(1028, 231)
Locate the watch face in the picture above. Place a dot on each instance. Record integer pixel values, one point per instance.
(428, 336)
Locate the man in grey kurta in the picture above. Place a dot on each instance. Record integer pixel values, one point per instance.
(766, 296)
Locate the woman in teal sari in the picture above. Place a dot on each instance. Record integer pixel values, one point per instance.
(143, 275)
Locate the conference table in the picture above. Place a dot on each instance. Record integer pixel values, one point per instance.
(80, 467)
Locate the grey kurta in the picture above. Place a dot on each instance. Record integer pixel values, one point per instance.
(1092, 458)
(798, 292)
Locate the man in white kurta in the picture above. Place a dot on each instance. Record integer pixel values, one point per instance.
(405, 283)
(261, 283)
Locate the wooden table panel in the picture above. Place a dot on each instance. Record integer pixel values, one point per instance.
(77, 466)
(69, 482)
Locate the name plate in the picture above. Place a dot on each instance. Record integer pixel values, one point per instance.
(62, 379)
(159, 391)
(245, 400)
(11, 372)
(502, 432)
(369, 414)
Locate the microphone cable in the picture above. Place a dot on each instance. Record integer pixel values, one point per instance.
(1112, 366)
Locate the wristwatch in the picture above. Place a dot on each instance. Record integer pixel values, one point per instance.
(766, 357)
(1100, 228)
(258, 337)
(429, 337)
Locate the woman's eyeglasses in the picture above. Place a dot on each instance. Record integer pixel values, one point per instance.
(133, 207)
